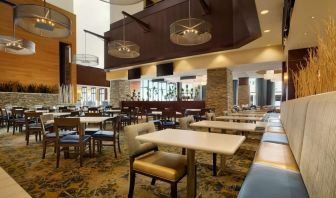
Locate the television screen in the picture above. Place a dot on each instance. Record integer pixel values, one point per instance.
(166, 69)
(134, 73)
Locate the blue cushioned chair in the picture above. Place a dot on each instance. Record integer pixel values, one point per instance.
(111, 136)
(79, 141)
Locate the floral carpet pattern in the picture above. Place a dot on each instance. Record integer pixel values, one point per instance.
(106, 176)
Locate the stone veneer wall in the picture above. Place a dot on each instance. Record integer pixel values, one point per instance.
(27, 99)
(244, 94)
(119, 91)
(219, 90)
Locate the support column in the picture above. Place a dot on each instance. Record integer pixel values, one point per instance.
(235, 92)
(219, 90)
(243, 91)
(119, 91)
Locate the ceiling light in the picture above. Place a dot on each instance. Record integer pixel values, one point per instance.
(264, 12)
(123, 48)
(42, 21)
(313, 17)
(306, 33)
(266, 31)
(268, 45)
(85, 59)
(190, 31)
(121, 2)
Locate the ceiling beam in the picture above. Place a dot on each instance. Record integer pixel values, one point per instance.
(145, 26)
(206, 7)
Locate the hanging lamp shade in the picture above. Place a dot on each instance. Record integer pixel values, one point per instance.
(190, 31)
(122, 2)
(42, 21)
(14, 45)
(123, 48)
(85, 59)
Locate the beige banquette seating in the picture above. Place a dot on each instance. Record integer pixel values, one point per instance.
(305, 165)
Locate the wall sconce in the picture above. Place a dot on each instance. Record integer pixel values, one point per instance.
(286, 76)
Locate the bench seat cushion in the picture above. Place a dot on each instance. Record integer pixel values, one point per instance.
(265, 182)
(274, 129)
(276, 155)
(275, 138)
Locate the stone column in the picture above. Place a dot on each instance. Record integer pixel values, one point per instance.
(219, 90)
(244, 91)
(119, 91)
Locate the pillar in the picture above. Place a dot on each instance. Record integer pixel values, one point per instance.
(120, 89)
(219, 90)
(243, 91)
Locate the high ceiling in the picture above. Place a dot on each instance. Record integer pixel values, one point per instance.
(308, 19)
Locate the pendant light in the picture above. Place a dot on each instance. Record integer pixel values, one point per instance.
(42, 21)
(190, 31)
(123, 48)
(85, 59)
(121, 2)
(14, 45)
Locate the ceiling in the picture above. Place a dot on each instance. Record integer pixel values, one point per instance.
(250, 70)
(308, 19)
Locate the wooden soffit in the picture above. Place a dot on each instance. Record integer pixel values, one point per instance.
(234, 24)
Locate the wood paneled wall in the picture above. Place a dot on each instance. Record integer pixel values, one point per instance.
(42, 67)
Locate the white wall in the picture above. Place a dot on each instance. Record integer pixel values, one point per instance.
(131, 9)
(67, 5)
(92, 15)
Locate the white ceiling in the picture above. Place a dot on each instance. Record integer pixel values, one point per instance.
(249, 70)
(308, 19)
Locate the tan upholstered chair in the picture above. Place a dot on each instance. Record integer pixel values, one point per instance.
(210, 116)
(145, 159)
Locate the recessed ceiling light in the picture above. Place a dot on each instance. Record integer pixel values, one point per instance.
(268, 45)
(264, 12)
(266, 31)
(306, 33)
(313, 17)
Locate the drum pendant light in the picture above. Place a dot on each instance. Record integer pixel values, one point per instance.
(190, 31)
(123, 48)
(42, 21)
(85, 59)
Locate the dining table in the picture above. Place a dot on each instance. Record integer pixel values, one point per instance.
(239, 118)
(235, 126)
(248, 114)
(57, 114)
(193, 141)
(9, 187)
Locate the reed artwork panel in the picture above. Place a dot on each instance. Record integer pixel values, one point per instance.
(319, 75)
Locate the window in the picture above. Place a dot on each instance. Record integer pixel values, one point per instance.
(252, 82)
(157, 91)
(84, 94)
(102, 94)
(93, 94)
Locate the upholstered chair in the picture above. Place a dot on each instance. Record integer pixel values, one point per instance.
(210, 116)
(145, 159)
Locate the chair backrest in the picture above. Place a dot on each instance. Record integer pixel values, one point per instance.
(31, 117)
(17, 113)
(75, 114)
(68, 123)
(210, 116)
(169, 114)
(93, 110)
(135, 147)
(185, 122)
(96, 114)
(46, 119)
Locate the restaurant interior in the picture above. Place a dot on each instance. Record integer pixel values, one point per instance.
(168, 98)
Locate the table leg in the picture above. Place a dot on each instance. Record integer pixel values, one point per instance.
(191, 174)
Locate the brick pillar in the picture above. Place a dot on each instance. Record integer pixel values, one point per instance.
(219, 90)
(119, 91)
(243, 91)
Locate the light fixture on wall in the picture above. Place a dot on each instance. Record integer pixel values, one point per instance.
(14, 45)
(42, 21)
(121, 2)
(190, 31)
(85, 59)
(123, 48)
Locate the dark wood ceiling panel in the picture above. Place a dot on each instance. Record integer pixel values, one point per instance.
(91, 76)
(234, 23)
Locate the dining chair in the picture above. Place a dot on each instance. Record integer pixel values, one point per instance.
(146, 159)
(93, 110)
(79, 140)
(8, 119)
(19, 120)
(110, 136)
(185, 125)
(2, 117)
(93, 128)
(203, 112)
(168, 119)
(33, 125)
(210, 116)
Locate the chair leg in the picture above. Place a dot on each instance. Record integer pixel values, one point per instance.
(94, 147)
(173, 192)
(27, 137)
(214, 164)
(44, 149)
(153, 181)
(58, 153)
(90, 153)
(131, 185)
(8, 126)
(81, 153)
(115, 149)
(119, 144)
(183, 151)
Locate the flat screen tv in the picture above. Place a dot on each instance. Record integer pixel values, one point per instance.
(165, 69)
(134, 73)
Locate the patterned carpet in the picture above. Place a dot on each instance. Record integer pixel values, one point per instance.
(105, 176)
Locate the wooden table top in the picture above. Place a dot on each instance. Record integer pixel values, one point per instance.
(242, 118)
(9, 187)
(203, 141)
(225, 125)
